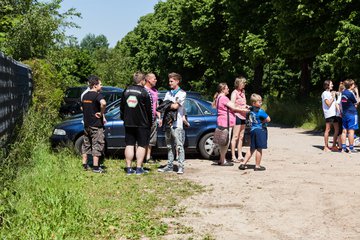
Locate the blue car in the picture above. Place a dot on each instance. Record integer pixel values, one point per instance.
(201, 116)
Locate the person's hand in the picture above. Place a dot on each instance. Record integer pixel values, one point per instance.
(333, 93)
(160, 122)
(104, 119)
(186, 123)
(98, 115)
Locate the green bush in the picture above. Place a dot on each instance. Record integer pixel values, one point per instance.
(307, 114)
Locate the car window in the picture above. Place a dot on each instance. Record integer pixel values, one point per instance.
(191, 108)
(205, 110)
(73, 93)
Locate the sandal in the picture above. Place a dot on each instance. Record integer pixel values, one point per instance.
(226, 164)
(243, 167)
(236, 160)
(261, 168)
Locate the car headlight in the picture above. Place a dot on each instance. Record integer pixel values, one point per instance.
(59, 132)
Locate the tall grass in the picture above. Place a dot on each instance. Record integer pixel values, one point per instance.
(48, 201)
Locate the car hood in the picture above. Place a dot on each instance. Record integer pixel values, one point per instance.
(69, 122)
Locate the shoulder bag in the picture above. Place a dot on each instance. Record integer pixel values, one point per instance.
(221, 134)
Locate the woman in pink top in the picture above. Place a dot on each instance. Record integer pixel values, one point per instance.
(239, 99)
(222, 104)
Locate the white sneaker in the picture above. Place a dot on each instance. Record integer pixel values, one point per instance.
(180, 170)
(357, 141)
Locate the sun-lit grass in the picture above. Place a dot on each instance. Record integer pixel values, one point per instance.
(56, 199)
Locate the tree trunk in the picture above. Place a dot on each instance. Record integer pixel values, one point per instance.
(258, 77)
(305, 78)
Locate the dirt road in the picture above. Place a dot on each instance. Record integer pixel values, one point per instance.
(305, 193)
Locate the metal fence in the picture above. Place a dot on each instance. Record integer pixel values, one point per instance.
(16, 87)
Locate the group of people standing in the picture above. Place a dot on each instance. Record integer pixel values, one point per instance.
(232, 114)
(340, 111)
(141, 114)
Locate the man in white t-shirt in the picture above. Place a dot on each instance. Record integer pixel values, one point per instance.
(329, 109)
(174, 134)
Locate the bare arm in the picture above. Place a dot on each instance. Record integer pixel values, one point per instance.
(266, 120)
(328, 102)
(102, 109)
(233, 107)
(233, 97)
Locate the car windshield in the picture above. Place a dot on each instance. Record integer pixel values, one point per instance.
(73, 92)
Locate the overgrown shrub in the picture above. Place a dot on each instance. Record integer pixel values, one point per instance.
(293, 113)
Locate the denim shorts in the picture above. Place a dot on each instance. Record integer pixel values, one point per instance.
(259, 138)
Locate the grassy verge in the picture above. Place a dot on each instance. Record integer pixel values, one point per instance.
(55, 199)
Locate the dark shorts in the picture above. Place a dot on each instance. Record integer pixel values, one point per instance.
(258, 138)
(94, 141)
(339, 120)
(153, 134)
(332, 119)
(139, 135)
(240, 121)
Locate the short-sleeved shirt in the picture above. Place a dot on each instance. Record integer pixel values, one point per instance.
(240, 101)
(155, 97)
(179, 97)
(256, 117)
(91, 105)
(328, 111)
(348, 102)
(222, 117)
(136, 107)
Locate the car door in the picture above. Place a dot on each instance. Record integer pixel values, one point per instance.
(197, 123)
(193, 132)
(115, 131)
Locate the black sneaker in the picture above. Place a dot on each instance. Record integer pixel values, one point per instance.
(85, 167)
(99, 170)
(140, 171)
(130, 171)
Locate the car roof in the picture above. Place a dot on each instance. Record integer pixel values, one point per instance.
(191, 94)
(103, 89)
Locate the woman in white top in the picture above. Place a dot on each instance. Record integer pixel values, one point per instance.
(329, 108)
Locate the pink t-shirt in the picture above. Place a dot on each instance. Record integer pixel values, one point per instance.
(155, 98)
(240, 101)
(222, 112)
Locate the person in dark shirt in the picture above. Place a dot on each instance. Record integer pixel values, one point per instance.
(349, 102)
(136, 111)
(93, 105)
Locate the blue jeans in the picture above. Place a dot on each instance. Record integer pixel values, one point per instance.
(174, 141)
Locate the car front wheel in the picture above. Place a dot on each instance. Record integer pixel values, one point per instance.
(78, 144)
(207, 148)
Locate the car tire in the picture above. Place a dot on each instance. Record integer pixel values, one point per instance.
(207, 148)
(78, 144)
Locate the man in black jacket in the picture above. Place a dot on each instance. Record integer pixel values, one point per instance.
(136, 111)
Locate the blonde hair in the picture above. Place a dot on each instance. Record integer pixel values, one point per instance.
(175, 76)
(239, 81)
(254, 98)
(219, 89)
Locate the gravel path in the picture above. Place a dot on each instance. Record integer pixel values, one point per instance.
(305, 193)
